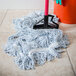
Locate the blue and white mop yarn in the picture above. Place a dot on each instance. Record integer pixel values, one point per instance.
(34, 47)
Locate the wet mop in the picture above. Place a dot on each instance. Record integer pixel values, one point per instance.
(31, 47)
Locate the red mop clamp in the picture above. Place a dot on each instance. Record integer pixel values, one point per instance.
(46, 25)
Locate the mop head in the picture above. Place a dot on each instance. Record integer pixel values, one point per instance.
(31, 47)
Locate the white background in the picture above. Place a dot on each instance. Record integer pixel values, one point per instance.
(24, 4)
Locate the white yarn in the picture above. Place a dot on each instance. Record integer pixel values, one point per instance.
(34, 47)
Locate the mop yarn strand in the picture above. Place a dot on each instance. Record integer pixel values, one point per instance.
(31, 47)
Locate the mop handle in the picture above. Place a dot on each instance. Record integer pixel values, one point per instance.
(46, 7)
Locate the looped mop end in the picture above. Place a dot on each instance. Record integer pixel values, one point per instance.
(31, 47)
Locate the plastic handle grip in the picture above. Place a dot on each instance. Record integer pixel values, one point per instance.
(46, 7)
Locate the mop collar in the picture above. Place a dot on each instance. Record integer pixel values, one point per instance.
(31, 47)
